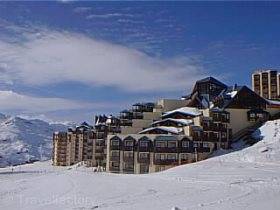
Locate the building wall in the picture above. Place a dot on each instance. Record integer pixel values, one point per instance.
(266, 83)
(151, 164)
(171, 104)
(238, 120)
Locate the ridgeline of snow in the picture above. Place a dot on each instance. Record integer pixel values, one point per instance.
(246, 179)
(23, 140)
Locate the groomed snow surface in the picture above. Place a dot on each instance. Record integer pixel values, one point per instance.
(244, 179)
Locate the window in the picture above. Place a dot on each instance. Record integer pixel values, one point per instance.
(172, 144)
(205, 144)
(224, 126)
(128, 154)
(115, 143)
(115, 164)
(195, 144)
(144, 155)
(224, 135)
(216, 135)
(129, 166)
(160, 144)
(115, 153)
(144, 169)
(129, 143)
(215, 115)
(143, 143)
(171, 156)
(160, 156)
(185, 144)
(184, 157)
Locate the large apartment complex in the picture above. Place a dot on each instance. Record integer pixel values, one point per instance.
(266, 83)
(152, 137)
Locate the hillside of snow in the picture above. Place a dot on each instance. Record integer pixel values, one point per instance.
(24, 140)
(266, 150)
(246, 179)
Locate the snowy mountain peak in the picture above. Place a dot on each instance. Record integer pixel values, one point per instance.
(23, 140)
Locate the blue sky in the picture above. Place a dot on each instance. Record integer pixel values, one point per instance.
(70, 61)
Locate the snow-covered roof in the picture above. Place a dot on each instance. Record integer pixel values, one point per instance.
(182, 121)
(232, 94)
(185, 110)
(173, 130)
(273, 102)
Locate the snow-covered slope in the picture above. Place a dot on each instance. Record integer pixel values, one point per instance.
(267, 150)
(22, 140)
(229, 182)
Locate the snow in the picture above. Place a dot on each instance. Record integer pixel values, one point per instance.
(22, 140)
(233, 93)
(182, 121)
(273, 102)
(245, 179)
(185, 110)
(170, 129)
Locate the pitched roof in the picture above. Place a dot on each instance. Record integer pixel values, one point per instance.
(212, 80)
(184, 110)
(230, 94)
(173, 130)
(182, 121)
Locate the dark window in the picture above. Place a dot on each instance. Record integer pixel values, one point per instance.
(172, 144)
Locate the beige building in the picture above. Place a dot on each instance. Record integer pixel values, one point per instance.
(147, 153)
(266, 83)
(142, 115)
(152, 137)
(73, 146)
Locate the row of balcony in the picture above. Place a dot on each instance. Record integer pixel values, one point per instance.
(213, 127)
(130, 159)
(161, 149)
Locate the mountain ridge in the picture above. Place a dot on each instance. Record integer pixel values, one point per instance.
(25, 140)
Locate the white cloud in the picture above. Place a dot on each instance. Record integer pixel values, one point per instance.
(55, 57)
(82, 9)
(10, 100)
(109, 15)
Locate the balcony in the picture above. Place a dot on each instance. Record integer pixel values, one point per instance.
(99, 150)
(220, 118)
(100, 143)
(166, 149)
(114, 169)
(99, 156)
(115, 147)
(165, 162)
(213, 127)
(145, 149)
(128, 159)
(144, 160)
(128, 148)
(115, 158)
(125, 122)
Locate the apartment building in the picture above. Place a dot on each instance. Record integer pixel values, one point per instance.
(266, 83)
(73, 146)
(151, 137)
(147, 153)
(141, 115)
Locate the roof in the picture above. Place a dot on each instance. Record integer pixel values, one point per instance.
(212, 80)
(273, 102)
(182, 121)
(185, 110)
(230, 94)
(173, 130)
